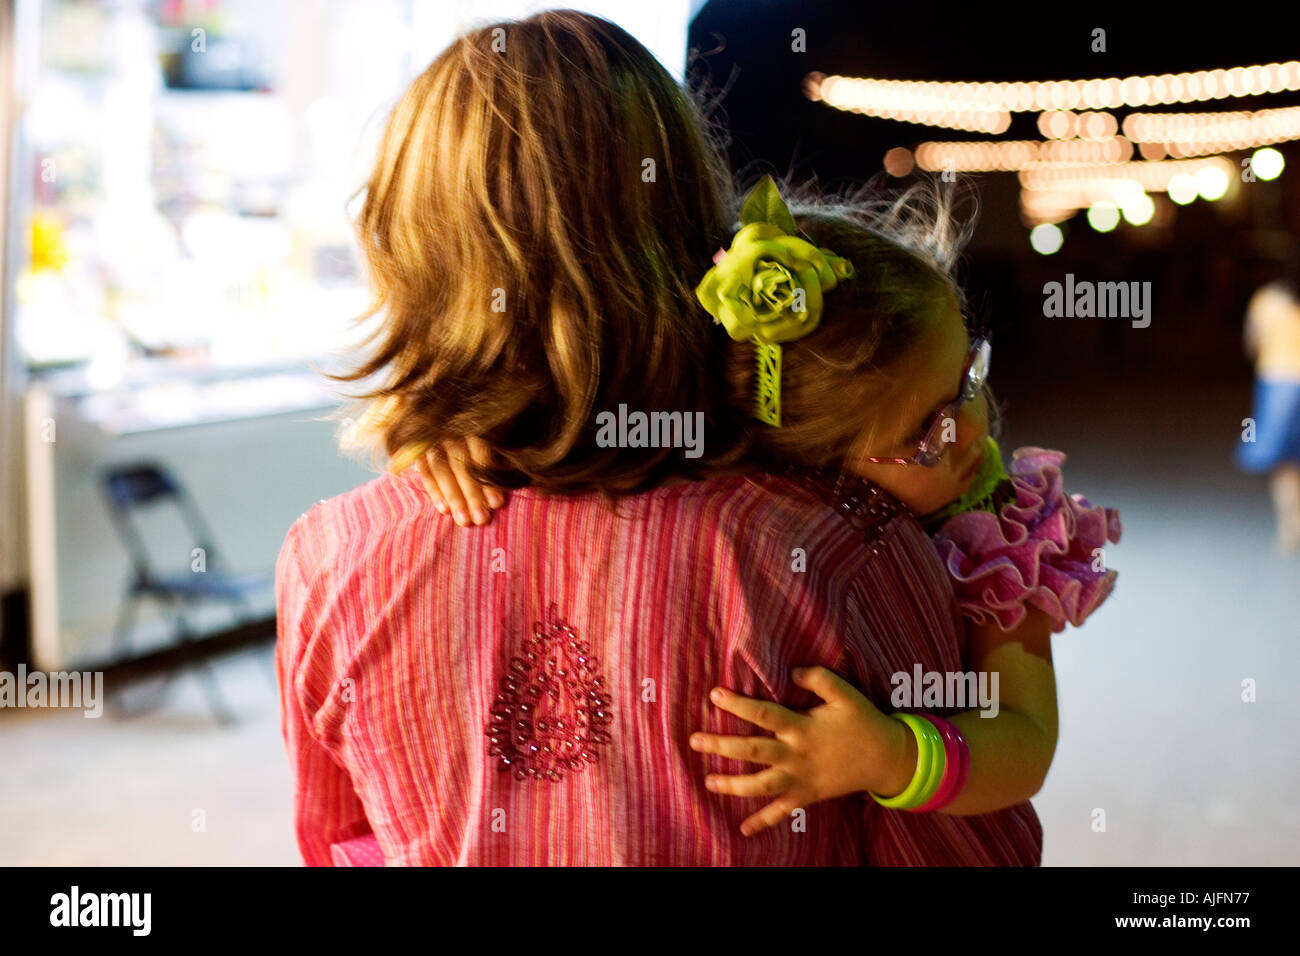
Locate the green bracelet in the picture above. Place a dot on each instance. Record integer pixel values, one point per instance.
(937, 767)
(929, 765)
(938, 756)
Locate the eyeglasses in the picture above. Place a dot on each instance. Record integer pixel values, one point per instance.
(932, 444)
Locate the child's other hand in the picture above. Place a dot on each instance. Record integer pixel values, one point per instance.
(842, 746)
(453, 491)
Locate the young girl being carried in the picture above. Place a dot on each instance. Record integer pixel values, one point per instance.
(853, 341)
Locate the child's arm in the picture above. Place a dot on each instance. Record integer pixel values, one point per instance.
(1010, 753)
(848, 745)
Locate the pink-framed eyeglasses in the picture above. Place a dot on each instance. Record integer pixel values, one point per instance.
(932, 445)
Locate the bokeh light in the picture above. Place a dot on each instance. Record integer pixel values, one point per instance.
(1212, 182)
(1046, 238)
(1103, 216)
(1267, 163)
(898, 161)
(1139, 210)
(1183, 188)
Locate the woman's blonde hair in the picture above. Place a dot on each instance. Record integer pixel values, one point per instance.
(904, 248)
(544, 201)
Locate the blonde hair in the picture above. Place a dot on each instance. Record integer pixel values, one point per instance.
(544, 201)
(904, 248)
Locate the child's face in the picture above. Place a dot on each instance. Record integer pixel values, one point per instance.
(920, 385)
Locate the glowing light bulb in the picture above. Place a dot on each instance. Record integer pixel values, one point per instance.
(898, 161)
(1046, 238)
(1103, 216)
(1139, 211)
(1128, 192)
(1183, 188)
(1212, 182)
(1267, 163)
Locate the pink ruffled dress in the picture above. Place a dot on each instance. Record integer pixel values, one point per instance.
(1017, 539)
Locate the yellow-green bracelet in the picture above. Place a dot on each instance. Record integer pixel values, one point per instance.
(937, 767)
(938, 757)
(929, 765)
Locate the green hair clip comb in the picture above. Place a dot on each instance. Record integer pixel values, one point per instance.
(767, 287)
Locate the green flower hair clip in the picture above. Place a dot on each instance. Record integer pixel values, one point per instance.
(767, 288)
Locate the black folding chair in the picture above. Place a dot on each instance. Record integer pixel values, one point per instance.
(145, 485)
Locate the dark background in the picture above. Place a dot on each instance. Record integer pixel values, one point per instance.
(1204, 261)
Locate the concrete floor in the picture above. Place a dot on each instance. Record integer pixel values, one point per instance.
(1153, 729)
(128, 791)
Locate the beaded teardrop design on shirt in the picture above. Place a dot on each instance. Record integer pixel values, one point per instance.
(552, 711)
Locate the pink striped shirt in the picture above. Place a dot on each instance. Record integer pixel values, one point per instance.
(523, 693)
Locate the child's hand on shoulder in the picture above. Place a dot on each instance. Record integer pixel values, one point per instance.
(452, 489)
(843, 746)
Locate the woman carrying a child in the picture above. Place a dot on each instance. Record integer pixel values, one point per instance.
(526, 690)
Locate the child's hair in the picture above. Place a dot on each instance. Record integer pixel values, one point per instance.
(544, 201)
(904, 250)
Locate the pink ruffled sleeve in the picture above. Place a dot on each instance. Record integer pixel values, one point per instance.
(1037, 549)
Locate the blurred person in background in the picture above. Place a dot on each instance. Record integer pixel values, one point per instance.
(1272, 340)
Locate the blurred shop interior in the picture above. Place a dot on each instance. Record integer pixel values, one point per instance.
(179, 267)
